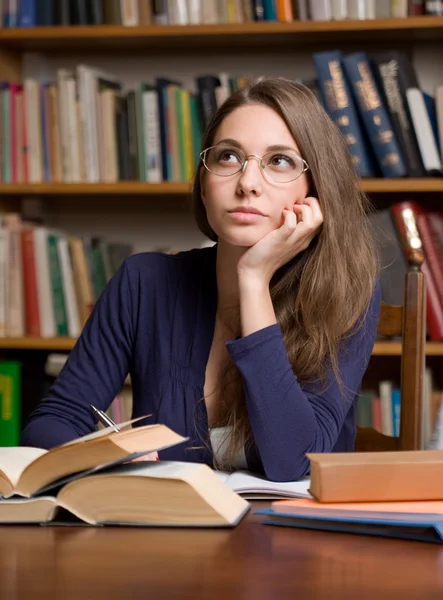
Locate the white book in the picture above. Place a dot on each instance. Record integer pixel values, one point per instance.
(62, 77)
(194, 12)
(320, 10)
(357, 9)
(387, 424)
(151, 129)
(178, 12)
(129, 12)
(339, 9)
(253, 487)
(423, 130)
(72, 314)
(73, 134)
(44, 286)
(88, 78)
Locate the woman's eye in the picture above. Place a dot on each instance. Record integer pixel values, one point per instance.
(230, 157)
(282, 161)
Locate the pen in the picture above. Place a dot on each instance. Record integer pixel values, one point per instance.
(103, 418)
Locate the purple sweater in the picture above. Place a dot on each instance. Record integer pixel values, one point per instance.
(155, 320)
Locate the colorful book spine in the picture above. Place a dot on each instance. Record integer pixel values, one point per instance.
(10, 403)
(339, 103)
(374, 115)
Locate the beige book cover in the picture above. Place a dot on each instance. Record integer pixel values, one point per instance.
(26, 471)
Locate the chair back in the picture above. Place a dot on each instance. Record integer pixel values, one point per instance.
(409, 322)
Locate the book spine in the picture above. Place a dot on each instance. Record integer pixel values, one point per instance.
(387, 67)
(338, 101)
(30, 284)
(10, 403)
(431, 252)
(269, 10)
(374, 115)
(404, 217)
(416, 8)
(434, 7)
(320, 10)
(27, 16)
(57, 286)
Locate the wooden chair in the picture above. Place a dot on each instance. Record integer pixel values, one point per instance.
(409, 321)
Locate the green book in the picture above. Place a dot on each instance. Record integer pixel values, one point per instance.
(10, 403)
(61, 321)
(197, 129)
(181, 133)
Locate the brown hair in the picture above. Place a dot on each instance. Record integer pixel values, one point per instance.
(320, 296)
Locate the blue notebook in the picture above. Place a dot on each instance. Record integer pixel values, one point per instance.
(422, 529)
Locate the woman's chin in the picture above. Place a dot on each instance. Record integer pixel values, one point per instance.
(245, 237)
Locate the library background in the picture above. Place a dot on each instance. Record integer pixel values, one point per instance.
(102, 107)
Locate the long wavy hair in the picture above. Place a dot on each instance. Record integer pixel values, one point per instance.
(321, 295)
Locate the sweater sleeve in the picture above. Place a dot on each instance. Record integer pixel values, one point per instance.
(289, 419)
(93, 374)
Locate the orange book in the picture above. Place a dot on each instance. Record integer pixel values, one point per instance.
(396, 510)
(284, 10)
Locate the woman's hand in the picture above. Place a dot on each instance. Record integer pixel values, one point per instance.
(300, 226)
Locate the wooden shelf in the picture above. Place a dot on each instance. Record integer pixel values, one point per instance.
(65, 344)
(232, 36)
(35, 343)
(394, 349)
(136, 188)
(132, 188)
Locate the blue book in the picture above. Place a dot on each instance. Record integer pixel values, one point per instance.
(338, 102)
(430, 107)
(421, 527)
(374, 114)
(27, 15)
(395, 397)
(270, 10)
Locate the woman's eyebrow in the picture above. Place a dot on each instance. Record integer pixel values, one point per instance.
(230, 142)
(273, 148)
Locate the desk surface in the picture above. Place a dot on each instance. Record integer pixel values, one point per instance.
(251, 562)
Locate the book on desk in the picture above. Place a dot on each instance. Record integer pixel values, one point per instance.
(102, 478)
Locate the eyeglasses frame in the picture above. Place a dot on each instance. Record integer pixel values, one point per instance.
(246, 161)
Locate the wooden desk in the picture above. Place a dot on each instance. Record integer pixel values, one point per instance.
(250, 562)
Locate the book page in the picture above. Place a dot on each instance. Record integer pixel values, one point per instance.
(244, 482)
(103, 432)
(14, 460)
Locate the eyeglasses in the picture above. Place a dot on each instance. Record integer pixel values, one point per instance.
(280, 167)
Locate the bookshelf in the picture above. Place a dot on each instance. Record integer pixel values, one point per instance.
(244, 35)
(189, 49)
(370, 186)
(64, 344)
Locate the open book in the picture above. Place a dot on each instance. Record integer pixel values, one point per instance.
(253, 487)
(141, 493)
(26, 471)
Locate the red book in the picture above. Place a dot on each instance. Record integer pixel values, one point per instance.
(405, 216)
(32, 318)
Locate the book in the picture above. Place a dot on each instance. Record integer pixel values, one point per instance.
(27, 471)
(138, 494)
(253, 487)
(410, 475)
(420, 521)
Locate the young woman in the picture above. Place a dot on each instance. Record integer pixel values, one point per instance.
(254, 348)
